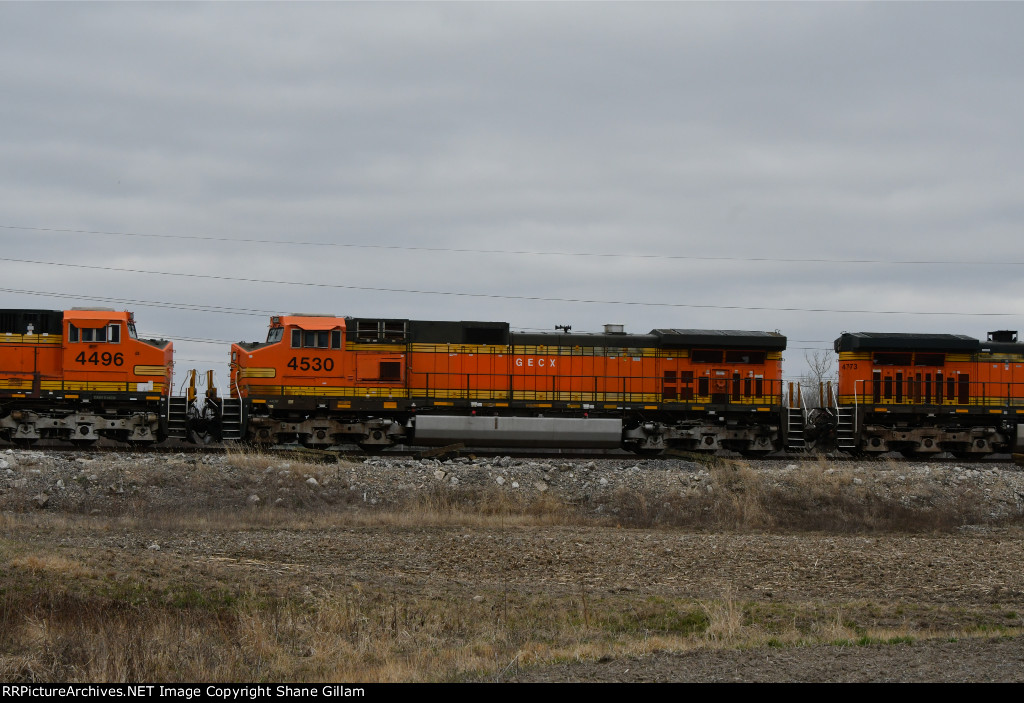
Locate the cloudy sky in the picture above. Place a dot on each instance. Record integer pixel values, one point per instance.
(812, 168)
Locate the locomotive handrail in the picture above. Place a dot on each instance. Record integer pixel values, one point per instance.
(972, 394)
(538, 388)
(855, 406)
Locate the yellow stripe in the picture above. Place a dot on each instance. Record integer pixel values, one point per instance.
(150, 370)
(16, 383)
(355, 346)
(95, 386)
(257, 372)
(460, 348)
(370, 392)
(495, 395)
(30, 339)
(855, 356)
(613, 351)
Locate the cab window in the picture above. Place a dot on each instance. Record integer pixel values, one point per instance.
(110, 333)
(316, 339)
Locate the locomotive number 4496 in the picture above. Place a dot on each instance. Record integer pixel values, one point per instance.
(104, 359)
(314, 363)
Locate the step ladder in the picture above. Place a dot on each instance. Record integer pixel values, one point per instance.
(177, 418)
(846, 430)
(231, 420)
(795, 441)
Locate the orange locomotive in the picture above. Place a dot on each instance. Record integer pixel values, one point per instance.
(921, 394)
(81, 374)
(324, 380)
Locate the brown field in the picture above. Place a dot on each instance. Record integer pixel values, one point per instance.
(265, 568)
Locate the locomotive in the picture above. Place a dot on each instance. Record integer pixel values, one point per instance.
(81, 374)
(322, 381)
(921, 394)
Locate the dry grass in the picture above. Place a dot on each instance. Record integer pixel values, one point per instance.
(813, 496)
(49, 633)
(67, 616)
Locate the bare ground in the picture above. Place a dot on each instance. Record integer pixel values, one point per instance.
(951, 601)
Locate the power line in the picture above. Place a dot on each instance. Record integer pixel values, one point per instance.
(190, 307)
(524, 252)
(493, 296)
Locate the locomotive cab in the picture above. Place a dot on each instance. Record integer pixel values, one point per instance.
(300, 385)
(80, 375)
(302, 353)
(103, 353)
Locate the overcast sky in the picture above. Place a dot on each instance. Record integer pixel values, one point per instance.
(664, 164)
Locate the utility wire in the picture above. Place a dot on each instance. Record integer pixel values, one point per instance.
(148, 303)
(526, 252)
(494, 296)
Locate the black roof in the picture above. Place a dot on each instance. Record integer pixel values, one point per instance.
(584, 339)
(743, 339)
(460, 332)
(903, 341)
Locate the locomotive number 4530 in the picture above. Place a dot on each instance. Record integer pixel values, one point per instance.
(104, 359)
(307, 363)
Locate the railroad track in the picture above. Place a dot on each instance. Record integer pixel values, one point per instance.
(458, 451)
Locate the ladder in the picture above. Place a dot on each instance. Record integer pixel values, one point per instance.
(846, 430)
(177, 418)
(231, 420)
(795, 441)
